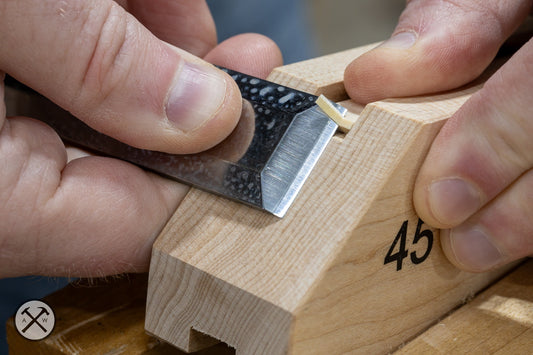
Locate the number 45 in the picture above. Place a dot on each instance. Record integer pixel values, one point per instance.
(402, 252)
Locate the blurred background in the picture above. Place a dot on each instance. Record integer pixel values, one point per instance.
(306, 29)
(344, 24)
(302, 29)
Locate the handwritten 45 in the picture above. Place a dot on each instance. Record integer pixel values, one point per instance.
(401, 239)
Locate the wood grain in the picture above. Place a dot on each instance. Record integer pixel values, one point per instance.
(319, 76)
(361, 305)
(315, 281)
(498, 321)
(99, 317)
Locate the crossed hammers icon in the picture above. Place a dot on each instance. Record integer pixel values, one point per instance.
(34, 319)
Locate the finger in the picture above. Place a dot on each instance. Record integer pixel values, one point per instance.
(94, 216)
(249, 53)
(183, 23)
(2, 102)
(482, 149)
(110, 71)
(498, 234)
(437, 45)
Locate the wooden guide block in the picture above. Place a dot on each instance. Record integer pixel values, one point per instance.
(319, 76)
(331, 276)
(498, 321)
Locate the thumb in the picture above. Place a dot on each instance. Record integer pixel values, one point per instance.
(97, 61)
(437, 45)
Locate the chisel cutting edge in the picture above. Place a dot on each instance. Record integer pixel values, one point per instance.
(264, 162)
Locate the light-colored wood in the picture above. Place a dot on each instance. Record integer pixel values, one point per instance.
(498, 321)
(315, 281)
(355, 304)
(99, 317)
(319, 76)
(344, 123)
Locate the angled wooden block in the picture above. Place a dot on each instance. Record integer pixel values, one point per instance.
(498, 321)
(319, 76)
(349, 269)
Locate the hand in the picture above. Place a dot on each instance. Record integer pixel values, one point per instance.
(476, 181)
(96, 216)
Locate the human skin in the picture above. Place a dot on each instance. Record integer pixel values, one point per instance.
(96, 216)
(132, 70)
(476, 182)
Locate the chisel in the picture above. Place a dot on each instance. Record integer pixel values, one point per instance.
(263, 163)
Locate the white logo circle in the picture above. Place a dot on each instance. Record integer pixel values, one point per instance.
(35, 320)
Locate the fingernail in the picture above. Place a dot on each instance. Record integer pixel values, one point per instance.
(474, 249)
(197, 95)
(451, 201)
(402, 40)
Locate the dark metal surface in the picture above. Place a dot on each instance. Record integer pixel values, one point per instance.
(263, 163)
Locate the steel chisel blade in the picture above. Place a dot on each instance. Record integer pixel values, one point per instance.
(263, 163)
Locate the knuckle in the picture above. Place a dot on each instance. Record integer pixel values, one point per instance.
(462, 36)
(507, 123)
(517, 210)
(109, 37)
(475, 24)
(526, 197)
(29, 181)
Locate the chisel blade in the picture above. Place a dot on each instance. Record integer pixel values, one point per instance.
(263, 163)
